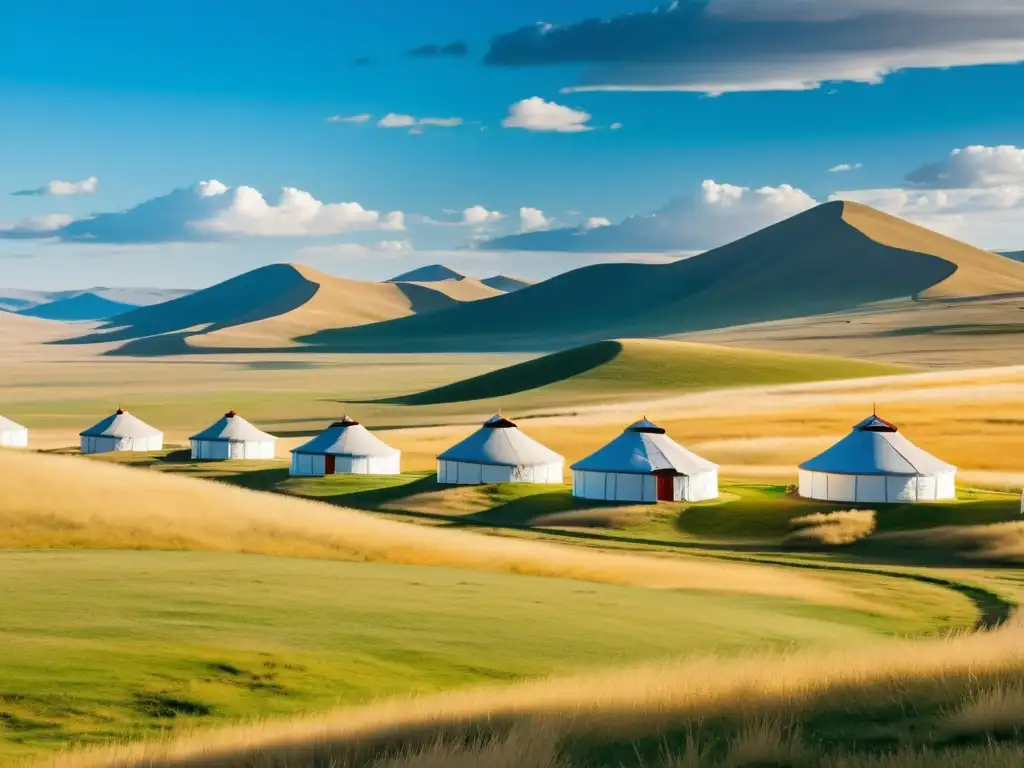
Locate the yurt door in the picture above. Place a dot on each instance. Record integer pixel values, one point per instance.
(666, 487)
(329, 464)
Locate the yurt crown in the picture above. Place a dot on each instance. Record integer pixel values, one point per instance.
(120, 411)
(231, 414)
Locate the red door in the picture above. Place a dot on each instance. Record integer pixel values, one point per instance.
(666, 487)
(329, 465)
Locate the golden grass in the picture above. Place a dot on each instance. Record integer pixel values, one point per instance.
(998, 709)
(743, 698)
(57, 501)
(834, 529)
(999, 543)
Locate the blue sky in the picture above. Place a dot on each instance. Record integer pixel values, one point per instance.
(149, 98)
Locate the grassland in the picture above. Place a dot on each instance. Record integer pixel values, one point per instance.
(612, 369)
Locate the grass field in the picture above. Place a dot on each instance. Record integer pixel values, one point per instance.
(609, 370)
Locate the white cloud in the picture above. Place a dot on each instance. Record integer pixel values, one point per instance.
(58, 188)
(393, 120)
(615, 126)
(477, 215)
(211, 210)
(384, 249)
(724, 46)
(596, 222)
(416, 125)
(715, 215)
(36, 226)
(535, 114)
(533, 220)
(441, 122)
(974, 167)
(363, 118)
(845, 167)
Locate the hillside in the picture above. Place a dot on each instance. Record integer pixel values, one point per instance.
(83, 306)
(1015, 255)
(431, 273)
(506, 283)
(17, 330)
(835, 257)
(269, 307)
(614, 368)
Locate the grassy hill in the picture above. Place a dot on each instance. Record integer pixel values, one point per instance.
(835, 257)
(614, 368)
(84, 306)
(270, 306)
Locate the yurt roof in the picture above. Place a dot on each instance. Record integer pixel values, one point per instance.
(121, 424)
(500, 443)
(232, 428)
(644, 448)
(347, 437)
(876, 447)
(6, 425)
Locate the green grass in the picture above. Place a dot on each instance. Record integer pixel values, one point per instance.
(612, 368)
(101, 646)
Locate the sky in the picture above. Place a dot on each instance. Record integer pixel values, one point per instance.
(178, 143)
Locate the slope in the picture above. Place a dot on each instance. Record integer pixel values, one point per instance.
(614, 368)
(18, 330)
(835, 257)
(429, 274)
(506, 283)
(1015, 255)
(83, 306)
(268, 307)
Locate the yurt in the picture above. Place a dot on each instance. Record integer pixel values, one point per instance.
(121, 432)
(232, 437)
(644, 465)
(12, 435)
(499, 453)
(346, 448)
(875, 464)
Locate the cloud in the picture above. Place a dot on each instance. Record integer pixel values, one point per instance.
(456, 49)
(845, 167)
(59, 188)
(363, 118)
(975, 167)
(416, 125)
(975, 194)
(615, 126)
(595, 222)
(211, 211)
(384, 248)
(45, 225)
(535, 114)
(719, 46)
(477, 215)
(717, 214)
(533, 220)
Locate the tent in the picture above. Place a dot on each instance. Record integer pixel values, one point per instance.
(346, 448)
(12, 435)
(645, 465)
(875, 464)
(121, 432)
(232, 437)
(499, 453)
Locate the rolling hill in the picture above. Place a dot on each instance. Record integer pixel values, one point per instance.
(432, 273)
(835, 257)
(269, 307)
(506, 283)
(614, 368)
(1015, 255)
(83, 306)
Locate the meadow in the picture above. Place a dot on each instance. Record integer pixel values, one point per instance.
(151, 596)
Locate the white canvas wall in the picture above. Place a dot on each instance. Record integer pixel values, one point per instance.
(309, 465)
(877, 489)
(466, 473)
(112, 444)
(14, 438)
(222, 450)
(615, 486)
(702, 487)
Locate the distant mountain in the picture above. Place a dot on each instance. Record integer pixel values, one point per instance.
(16, 300)
(505, 283)
(835, 257)
(84, 306)
(268, 308)
(1015, 255)
(433, 273)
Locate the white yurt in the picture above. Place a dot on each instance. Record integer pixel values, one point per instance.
(346, 448)
(499, 453)
(232, 437)
(121, 432)
(645, 465)
(875, 464)
(12, 435)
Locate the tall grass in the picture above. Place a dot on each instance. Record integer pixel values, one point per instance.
(57, 501)
(999, 543)
(915, 700)
(832, 529)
